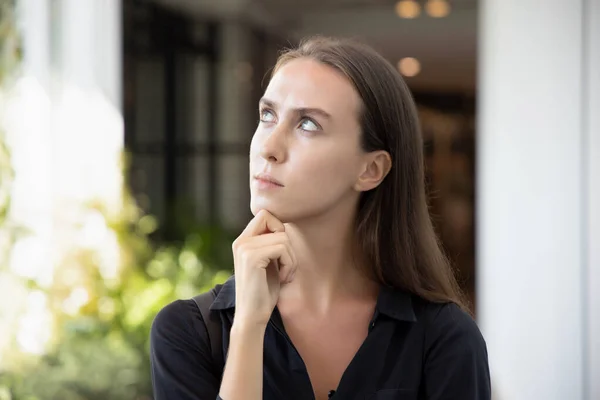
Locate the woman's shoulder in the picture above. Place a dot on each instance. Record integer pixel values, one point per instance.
(447, 324)
(180, 352)
(180, 317)
(447, 313)
(185, 314)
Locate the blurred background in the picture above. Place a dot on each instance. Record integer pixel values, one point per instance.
(124, 133)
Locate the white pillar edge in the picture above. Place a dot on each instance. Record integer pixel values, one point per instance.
(591, 26)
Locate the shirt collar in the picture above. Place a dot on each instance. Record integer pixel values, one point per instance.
(396, 303)
(391, 302)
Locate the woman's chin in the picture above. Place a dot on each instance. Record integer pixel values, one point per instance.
(277, 211)
(261, 204)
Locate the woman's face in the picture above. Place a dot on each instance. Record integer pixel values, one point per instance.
(308, 140)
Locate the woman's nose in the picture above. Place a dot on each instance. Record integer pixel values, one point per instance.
(273, 148)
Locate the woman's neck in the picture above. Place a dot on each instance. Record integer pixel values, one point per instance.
(329, 268)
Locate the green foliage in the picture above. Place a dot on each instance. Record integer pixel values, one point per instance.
(102, 352)
(10, 43)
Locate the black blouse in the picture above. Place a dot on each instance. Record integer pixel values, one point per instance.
(415, 349)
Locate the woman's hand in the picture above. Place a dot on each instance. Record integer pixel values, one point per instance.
(263, 260)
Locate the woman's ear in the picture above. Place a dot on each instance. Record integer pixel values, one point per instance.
(377, 166)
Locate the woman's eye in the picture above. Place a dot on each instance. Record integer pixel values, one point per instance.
(309, 125)
(266, 116)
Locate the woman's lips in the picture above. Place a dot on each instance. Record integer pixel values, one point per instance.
(268, 178)
(265, 181)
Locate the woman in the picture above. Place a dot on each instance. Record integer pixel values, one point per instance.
(341, 289)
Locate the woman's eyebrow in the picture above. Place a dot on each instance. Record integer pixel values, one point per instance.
(300, 110)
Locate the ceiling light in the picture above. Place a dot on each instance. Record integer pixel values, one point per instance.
(408, 9)
(437, 8)
(409, 66)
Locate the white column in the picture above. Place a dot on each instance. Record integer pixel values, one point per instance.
(538, 196)
(88, 124)
(90, 46)
(592, 143)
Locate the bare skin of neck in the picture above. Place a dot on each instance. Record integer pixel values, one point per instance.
(329, 269)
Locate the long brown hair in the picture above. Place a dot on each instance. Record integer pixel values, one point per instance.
(395, 232)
